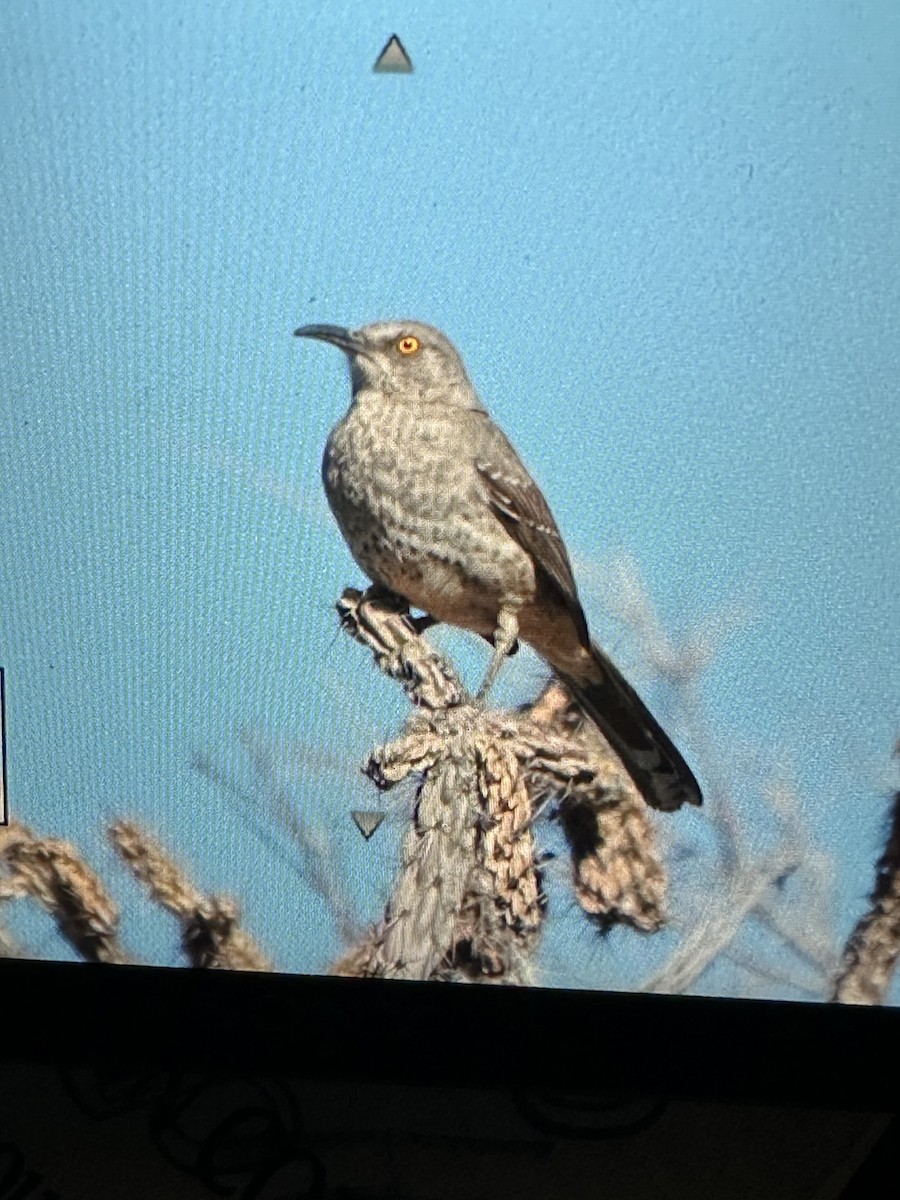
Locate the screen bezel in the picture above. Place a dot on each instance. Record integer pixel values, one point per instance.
(682, 1047)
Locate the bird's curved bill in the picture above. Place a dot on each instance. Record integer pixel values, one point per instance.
(337, 335)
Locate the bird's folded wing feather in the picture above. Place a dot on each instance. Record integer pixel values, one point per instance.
(520, 505)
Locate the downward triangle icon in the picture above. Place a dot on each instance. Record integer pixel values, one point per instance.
(367, 822)
(393, 59)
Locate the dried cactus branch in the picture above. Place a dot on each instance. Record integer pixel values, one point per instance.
(210, 933)
(426, 676)
(11, 888)
(468, 902)
(53, 873)
(617, 866)
(870, 957)
(809, 946)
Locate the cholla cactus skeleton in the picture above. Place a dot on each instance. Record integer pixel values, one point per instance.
(468, 901)
(53, 873)
(873, 949)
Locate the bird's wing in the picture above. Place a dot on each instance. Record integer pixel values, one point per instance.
(520, 505)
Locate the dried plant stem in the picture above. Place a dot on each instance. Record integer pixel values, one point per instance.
(210, 933)
(783, 977)
(713, 934)
(467, 897)
(52, 872)
(871, 954)
(315, 846)
(812, 947)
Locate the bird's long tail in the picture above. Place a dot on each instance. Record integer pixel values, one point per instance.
(660, 773)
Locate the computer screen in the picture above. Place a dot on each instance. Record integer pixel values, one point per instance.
(531, 617)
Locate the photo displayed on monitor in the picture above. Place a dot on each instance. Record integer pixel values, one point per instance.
(448, 519)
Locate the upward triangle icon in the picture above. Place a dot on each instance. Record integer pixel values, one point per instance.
(393, 59)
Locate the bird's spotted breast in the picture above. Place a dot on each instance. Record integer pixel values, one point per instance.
(409, 510)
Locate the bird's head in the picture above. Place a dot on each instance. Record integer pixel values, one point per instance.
(403, 358)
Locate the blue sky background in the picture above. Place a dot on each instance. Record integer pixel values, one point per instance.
(665, 238)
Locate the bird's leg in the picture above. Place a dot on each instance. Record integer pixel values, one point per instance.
(514, 648)
(505, 636)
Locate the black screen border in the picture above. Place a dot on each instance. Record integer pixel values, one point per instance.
(679, 1047)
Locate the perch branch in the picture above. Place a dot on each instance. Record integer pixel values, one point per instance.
(468, 902)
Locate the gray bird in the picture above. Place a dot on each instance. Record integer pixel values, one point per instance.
(437, 507)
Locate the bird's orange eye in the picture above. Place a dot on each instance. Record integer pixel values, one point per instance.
(408, 344)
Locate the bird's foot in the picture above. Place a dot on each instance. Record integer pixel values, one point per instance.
(378, 596)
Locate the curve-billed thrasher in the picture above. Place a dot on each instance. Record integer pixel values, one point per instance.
(436, 506)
